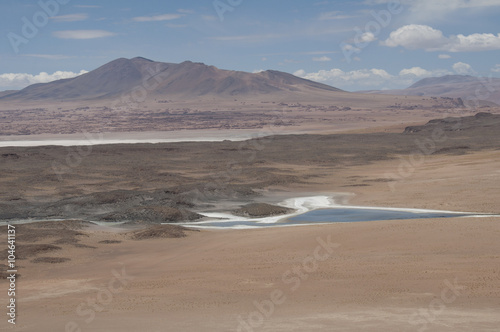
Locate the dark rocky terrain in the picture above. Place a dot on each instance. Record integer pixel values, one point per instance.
(161, 231)
(468, 123)
(43, 242)
(154, 183)
(255, 210)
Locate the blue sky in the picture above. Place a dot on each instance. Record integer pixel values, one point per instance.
(353, 45)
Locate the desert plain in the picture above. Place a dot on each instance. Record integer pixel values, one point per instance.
(246, 166)
(398, 275)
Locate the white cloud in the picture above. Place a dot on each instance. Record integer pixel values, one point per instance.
(70, 18)
(335, 15)
(496, 69)
(21, 80)
(415, 71)
(256, 71)
(322, 59)
(83, 34)
(300, 73)
(381, 73)
(440, 5)
(156, 18)
(475, 42)
(248, 38)
(292, 34)
(444, 56)
(419, 72)
(368, 37)
(415, 36)
(319, 52)
(185, 11)
(370, 78)
(349, 47)
(49, 56)
(363, 77)
(432, 10)
(209, 18)
(176, 26)
(462, 68)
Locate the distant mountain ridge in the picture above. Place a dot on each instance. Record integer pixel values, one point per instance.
(7, 92)
(447, 79)
(186, 79)
(469, 88)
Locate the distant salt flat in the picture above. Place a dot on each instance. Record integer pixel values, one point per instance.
(102, 142)
(86, 139)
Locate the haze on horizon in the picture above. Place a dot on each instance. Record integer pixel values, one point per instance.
(351, 45)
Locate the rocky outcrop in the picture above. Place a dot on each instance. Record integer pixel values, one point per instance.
(255, 210)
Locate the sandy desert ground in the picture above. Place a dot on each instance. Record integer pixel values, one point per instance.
(435, 275)
(411, 275)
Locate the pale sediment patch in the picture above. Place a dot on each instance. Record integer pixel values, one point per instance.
(299, 204)
(57, 288)
(89, 139)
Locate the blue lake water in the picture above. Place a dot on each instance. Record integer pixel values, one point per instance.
(345, 214)
(356, 215)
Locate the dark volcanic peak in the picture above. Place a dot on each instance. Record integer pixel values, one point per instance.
(140, 58)
(116, 77)
(187, 79)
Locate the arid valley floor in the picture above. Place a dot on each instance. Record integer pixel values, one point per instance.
(400, 275)
(250, 166)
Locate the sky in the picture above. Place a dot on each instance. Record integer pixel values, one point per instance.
(352, 45)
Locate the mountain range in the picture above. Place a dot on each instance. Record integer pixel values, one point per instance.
(159, 79)
(140, 78)
(469, 88)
